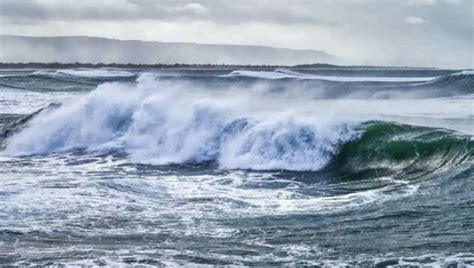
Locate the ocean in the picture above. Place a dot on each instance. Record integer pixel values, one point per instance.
(203, 166)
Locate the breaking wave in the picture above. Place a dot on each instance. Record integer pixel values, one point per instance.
(463, 80)
(96, 73)
(154, 122)
(71, 73)
(86, 73)
(460, 79)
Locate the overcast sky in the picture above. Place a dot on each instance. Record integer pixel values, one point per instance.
(392, 32)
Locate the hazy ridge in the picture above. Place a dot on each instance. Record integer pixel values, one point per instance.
(71, 49)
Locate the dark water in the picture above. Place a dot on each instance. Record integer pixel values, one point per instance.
(368, 167)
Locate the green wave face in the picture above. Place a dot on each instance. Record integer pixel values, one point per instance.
(392, 149)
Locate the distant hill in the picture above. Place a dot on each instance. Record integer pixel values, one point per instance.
(71, 49)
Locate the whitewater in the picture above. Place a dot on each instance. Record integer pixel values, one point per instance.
(236, 167)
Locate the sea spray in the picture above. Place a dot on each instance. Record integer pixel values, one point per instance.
(155, 122)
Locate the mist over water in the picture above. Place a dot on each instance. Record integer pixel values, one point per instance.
(246, 167)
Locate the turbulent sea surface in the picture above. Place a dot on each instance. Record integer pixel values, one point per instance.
(335, 166)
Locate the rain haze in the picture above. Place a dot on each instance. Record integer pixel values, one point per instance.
(433, 33)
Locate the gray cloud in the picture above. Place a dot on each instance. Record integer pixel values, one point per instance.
(362, 31)
(164, 10)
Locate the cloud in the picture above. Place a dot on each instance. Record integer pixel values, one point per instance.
(344, 28)
(431, 2)
(229, 12)
(415, 20)
(420, 2)
(195, 8)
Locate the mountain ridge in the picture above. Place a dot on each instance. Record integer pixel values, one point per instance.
(68, 49)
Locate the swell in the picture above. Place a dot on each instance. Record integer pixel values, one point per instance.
(63, 80)
(318, 83)
(457, 83)
(287, 73)
(333, 84)
(463, 80)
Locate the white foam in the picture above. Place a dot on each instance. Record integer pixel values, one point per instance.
(88, 73)
(96, 73)
(463, 73)
(281, 73)
(7, 75)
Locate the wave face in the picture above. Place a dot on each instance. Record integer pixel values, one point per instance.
(164, 122)
(404, 150)
(463, 80)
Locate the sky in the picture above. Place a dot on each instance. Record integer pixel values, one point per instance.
(438, 33)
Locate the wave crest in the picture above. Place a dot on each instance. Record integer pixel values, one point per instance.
(286, 74)
(85, 73)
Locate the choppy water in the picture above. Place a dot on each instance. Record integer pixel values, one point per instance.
(244, 167)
